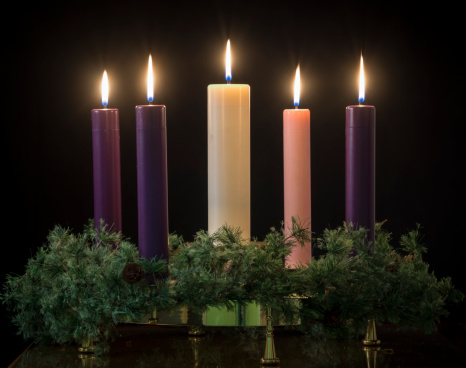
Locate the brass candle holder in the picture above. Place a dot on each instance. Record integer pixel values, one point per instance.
(86, 352)
(154, 320)
(371, 334)
(87, 345)
(270, 357)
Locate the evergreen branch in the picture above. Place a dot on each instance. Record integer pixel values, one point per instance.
(75, 285)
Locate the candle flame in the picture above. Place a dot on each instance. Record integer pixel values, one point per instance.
(105, 89)
(228, 63)
(297, 87)
(150, 81)
(362, 83)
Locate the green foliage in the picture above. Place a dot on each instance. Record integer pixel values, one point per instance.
(337, 292)
(74, 287)
(352, 283)
(222, 268)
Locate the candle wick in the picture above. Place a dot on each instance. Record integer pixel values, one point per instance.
(296, 107)
(228, 82)
(150, 102)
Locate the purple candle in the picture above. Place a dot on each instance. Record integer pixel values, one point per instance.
(106, 163)
(151, 146)
(360, 164)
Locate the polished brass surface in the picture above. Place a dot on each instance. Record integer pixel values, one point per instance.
(87, 360)
(371, 334)
(195, 343)
(371, 355)
(87, 346)
(225, 347)
(270, 357)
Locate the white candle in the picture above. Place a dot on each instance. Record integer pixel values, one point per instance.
(228, 141)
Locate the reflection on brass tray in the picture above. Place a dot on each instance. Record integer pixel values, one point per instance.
(196, 330)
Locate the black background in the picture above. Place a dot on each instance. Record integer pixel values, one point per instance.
(53, 57)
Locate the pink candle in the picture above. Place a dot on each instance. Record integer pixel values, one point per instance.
(297, 173)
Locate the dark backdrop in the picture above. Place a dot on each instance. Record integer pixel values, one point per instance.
(53, 57)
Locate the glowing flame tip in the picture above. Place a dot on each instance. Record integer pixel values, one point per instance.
(150, 81)
(297, 87)
(228, 63)
(105, 89)
(362, 83)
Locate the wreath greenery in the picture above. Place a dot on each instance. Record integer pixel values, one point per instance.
(82, 286)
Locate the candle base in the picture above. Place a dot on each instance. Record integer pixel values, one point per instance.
(154, 320)
(87, 346)
(270, 357)
(196, 331)
(371, 334)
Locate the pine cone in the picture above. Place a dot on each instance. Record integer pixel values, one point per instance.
(392, 267)
(133, 273)
(410, 257)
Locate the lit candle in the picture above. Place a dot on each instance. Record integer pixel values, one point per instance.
(360, 163)
(228, 116)
(297, 172)
(106, 163)
(151, 147)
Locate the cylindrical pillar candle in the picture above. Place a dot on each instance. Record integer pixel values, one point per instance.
(297, 173)
(360, 165)
(228, 140)
(152, 180)
(106, 163)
